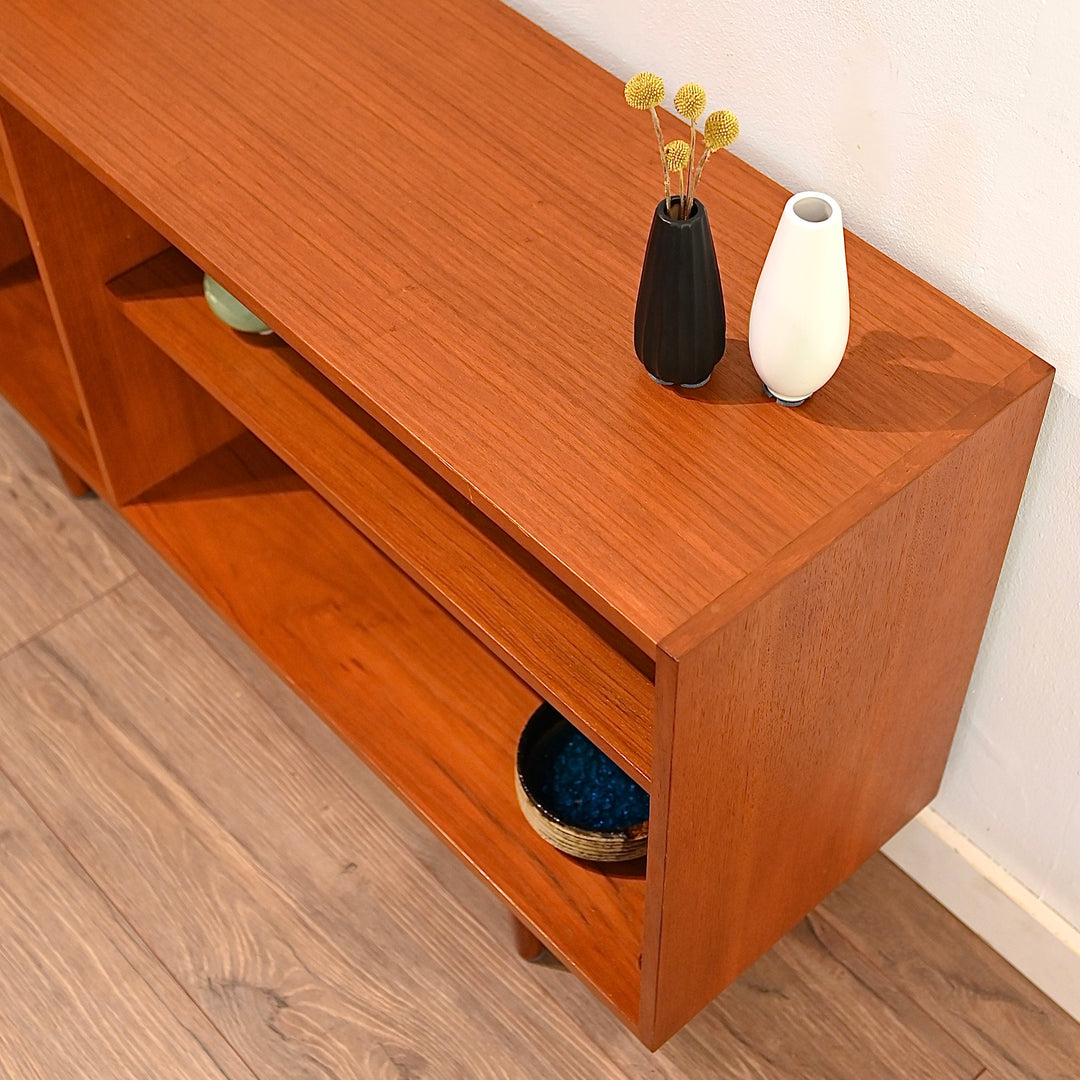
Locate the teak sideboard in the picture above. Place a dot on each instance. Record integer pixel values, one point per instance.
(448, 490)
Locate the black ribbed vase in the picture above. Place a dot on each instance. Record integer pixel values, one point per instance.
(679, 324)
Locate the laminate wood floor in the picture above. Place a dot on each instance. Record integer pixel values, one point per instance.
(197, 879)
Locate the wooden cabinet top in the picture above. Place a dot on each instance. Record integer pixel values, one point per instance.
(444, 209)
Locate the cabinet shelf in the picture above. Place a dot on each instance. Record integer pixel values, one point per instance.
(411, 691)
(561, 647)
(34, 372)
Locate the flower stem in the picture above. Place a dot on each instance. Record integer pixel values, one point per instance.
(696, 179)
(690, 172)
(663, 159)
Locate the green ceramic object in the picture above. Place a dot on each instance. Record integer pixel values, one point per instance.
(230, 311)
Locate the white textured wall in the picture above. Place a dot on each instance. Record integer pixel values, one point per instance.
(1013, 782)
(950, 134)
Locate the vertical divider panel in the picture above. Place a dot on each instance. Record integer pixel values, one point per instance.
(7, 186)
(147, 418)
(14, 243)
(30, 335)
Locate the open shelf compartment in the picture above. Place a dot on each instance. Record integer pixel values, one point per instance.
(410, 690)
(34, 372)
(533, 621)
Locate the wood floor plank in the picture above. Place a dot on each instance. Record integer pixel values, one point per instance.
(858, 1031)
(813, 1009)
(82, 997)
(51, 561)
(1014, 1029)
(396, 990)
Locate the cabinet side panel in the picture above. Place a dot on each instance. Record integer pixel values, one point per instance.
(814, 723)
(132, 395)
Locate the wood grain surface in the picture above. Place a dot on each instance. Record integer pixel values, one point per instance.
(130, 393)
(82, 996)
(53, 561)
(816, 721)
(487, 320)
(410, 690)
(533, 621)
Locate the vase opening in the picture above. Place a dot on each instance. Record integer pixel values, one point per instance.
(813, 209)
(675, 204)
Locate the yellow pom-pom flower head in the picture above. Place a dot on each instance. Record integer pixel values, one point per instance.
(721, 129)
(690, 104)
(676, 159)
(677, 155)
(644, 91)
(690, 100)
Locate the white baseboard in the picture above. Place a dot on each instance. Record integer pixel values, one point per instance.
(1010, 918)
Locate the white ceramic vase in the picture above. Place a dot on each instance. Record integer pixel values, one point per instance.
(800, 316)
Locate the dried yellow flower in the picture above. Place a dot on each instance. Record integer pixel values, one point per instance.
(690, 100)
(721, 129)
(644, 91)
(677, 155)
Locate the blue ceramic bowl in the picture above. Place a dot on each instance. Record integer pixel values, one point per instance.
(575, 796)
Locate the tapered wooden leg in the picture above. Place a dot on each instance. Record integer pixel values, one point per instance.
(72, 480)
(527, 944)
